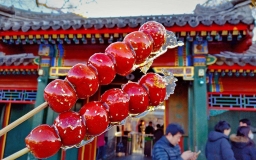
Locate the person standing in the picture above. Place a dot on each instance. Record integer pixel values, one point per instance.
(218, 146)
(148, 143)
(149, 129)
(127, 126)
(244, 122)
(167, 148)
(158, 133)
(247, 122)
(101, 150)
(141, 130)
(242, 145)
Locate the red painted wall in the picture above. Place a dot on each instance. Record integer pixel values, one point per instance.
(18, 82)
(15, 49)
(238, 84)
(74, 54)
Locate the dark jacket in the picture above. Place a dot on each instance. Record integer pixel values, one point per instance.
(164, 150)
(158, 134)
(149, 130)
(244, 148)
(218, 147)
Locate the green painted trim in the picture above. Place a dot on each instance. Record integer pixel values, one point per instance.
(50, 116)
(216, 112)
(72, 153)
(36, 60)
(200, 112)
(210, 88)
(210, 59)
(216, 78)
(190, 117)
(188, 48)
(42, 83)
(56, 51)
(184, 50)
(180, 61)
(185, 143)
(59, 62)
(39, 118)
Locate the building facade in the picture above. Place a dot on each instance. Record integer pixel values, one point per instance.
(215, 67)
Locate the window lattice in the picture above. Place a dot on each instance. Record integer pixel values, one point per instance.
(17, 95)
(226, 101)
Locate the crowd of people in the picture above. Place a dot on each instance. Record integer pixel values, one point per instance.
(167, 147)
(219, 146)
(239, 146)
(156, 132)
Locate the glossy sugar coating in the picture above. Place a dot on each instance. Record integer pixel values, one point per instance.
(104, 67)
(135, 49)
(70, 127)
(155, 87)
(96, 117)
(139, 99)
(122, 56)
(43, 141)
(156, 31)
(84, 80)
(118, 104)
(141, 44)
(60, 95)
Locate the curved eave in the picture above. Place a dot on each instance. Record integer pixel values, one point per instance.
(13, 19)
(233, 68)
(175, 28)
(113, 23)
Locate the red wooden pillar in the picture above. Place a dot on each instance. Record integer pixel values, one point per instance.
(166, 122)
(63, 154)
(88, 151)
(181, 144)
(6, 119)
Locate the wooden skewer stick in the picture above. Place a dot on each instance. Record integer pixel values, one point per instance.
(17, 154)
(23, 118)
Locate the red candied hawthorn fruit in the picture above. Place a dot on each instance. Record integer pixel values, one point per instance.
(71, 128)
(84, 79)
(141, 44)
(139, 99)
(60, 95)
(156, 31)
(104, 66)
(118, 103)
(122, 56)
(155, 87)
(43, 141)
(96, 117)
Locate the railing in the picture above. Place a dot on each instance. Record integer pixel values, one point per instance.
(232, 101)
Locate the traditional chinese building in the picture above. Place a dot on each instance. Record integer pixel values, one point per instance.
(215, 68)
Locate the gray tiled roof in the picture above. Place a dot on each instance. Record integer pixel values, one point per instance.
(231, 58)
(16, 59)
(232, 12)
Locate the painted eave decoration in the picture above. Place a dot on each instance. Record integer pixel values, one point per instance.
(187, 73)
(233, 63)
(18, 64)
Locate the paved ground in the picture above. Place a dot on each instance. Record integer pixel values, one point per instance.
(138, 155)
